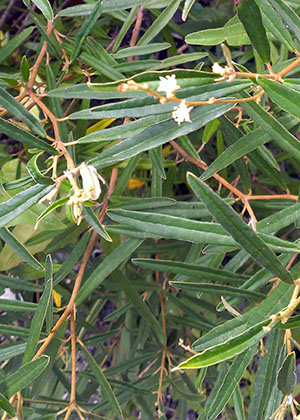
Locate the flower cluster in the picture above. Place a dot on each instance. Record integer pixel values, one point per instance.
(90, 190)
(225, 72)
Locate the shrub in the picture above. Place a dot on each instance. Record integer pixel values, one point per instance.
(149, 209)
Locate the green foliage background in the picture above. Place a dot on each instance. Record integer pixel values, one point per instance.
(195, 236)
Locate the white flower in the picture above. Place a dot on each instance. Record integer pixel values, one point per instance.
(90, 181)
(50, 196)
(216, 68)
(181, 113)
(168, 84)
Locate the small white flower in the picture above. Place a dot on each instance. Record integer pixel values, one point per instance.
(181, 113)
(168, 84)
(216, 68)
(50, 196)
(90, 181)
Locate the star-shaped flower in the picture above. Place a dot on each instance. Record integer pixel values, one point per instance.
(168, 84)
(181, 113)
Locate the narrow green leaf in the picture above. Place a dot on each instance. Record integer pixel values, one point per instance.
(173, 227)
(19, 248)
(35, 173)
(216, 289)
(22, 201)
(157, 161)
(140, 203)
(290, 18)
(142, 50)
(286, 378)
(111, 262)
(275, 24)
(190, 270)
(287, 98)
(39, 316)
(70, 262)
(23, 376)
(157, 135)
(244, 145)
(278, 299)
(160, 22)
(125, 27)
(103, 382)
(108, 7)
(24, 69)
(227, 350)
(273, 127)
(86, 28)
(16, 109)
(265, 377)
(138, 303)
(92, 220)
(6, 405)
(241, 232)
(125, 130)
(45, 8)
(10, 351)
(14, 43)
(188, 4)
(250, 16)
(233, 33)
(229, 382)
(17, 306)
(238, 403)
(53, 206)
(17, 133)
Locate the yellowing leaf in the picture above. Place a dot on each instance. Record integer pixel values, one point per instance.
(135, 183)
(57, 298)
(100, 125)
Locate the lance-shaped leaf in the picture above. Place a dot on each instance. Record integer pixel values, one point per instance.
(23, 376)
(140, 305)
(40, 314)
(14, 43)
(265, 377)
(45, 8)
(235, 327)
(290, 18)
(6, 406)
(103, 382)
(86, 29)
(244, 145)
(275, 24)
(19, 248)
(190, 270)
(250, 16)
(157, 225)
(173, 227)
(111, 262)
(224, 390)
(157, 135)
(286, 378)
(8, 102)
(241, 232)
(22, 201)
(35, 173)
(272, 126)
(287, 98)
(227, 350)
(158, 25)
(216, 289)
(92, 220)
(17, 133)
(112, 6)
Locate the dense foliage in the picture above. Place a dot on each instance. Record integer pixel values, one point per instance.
(149, 215)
